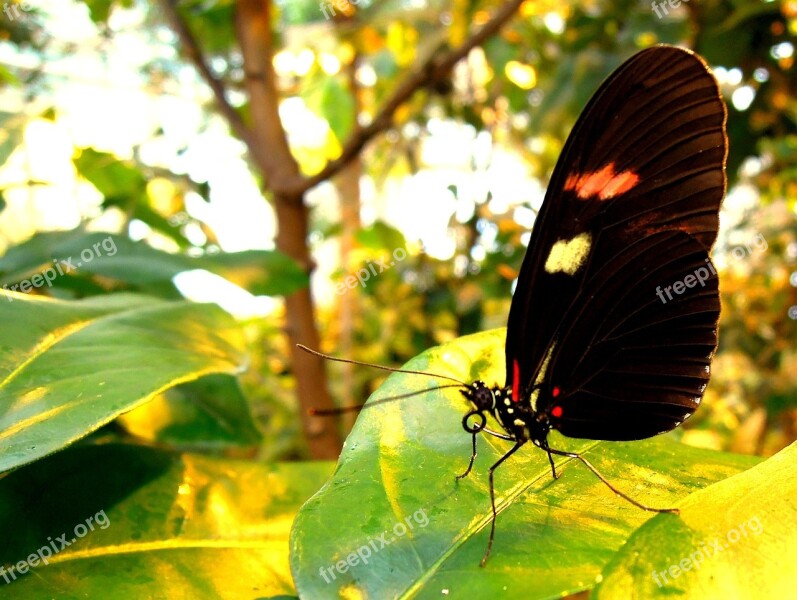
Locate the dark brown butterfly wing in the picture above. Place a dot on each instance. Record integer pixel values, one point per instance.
(635, 358)
(632, 205)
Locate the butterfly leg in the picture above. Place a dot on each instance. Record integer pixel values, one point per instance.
(474, 429)
(606, 482)
(550, 460)
(497, 434)
(515, 448)
(472, 458)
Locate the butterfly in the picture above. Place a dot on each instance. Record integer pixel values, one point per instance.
(613, 323)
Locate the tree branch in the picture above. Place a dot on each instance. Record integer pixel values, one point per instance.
(254, 30)
(194, 53)
(430, 70)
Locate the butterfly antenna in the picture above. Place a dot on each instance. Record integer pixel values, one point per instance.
(375, 366)
(357, 407)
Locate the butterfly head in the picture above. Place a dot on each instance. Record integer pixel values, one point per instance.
(482, 397)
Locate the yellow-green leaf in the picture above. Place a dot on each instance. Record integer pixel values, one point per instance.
(734, 539)
(144, 523)
(67, 368)
(553, 538)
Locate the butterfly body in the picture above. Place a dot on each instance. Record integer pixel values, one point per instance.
(518, 418)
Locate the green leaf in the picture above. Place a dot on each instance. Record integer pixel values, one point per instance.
(70, 367)
(124, 186)
(99, 10)
(165, 526)
(212, 23)
(8, 77)
(553, 538)
(381, 236)
(334, 103)
(12, 127)
(262, 272)
(749, 519)
(209, 413)
(112, 177)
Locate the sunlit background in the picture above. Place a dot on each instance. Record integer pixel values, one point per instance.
(456, 181)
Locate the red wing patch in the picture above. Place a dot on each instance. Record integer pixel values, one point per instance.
(515, 381)
(604, 184)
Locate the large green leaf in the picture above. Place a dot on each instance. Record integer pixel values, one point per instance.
(398, 466)
(747, 520)
(68, 368)
(164, 525)
(262, 272)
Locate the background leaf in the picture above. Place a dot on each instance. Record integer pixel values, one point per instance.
(553, 537)
(69, 368)
(209, 413)
(178, 526)
(261, 272)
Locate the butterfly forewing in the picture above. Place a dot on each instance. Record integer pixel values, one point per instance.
(632, 206)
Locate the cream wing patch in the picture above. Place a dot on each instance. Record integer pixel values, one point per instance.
(541, 375)
(567, 256)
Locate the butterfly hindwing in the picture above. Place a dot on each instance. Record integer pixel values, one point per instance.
(633, 362)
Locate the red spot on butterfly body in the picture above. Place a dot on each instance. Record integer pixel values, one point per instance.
(515, 381)
(604, 184)
(556, 411)
(555, 392)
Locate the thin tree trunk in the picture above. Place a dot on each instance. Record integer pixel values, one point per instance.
(253, 23)
(348, 185)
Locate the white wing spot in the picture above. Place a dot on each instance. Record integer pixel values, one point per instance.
(567, 256)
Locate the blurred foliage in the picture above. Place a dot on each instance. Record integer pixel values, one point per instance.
(479, 141)
(167, 525)
(515, 97)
